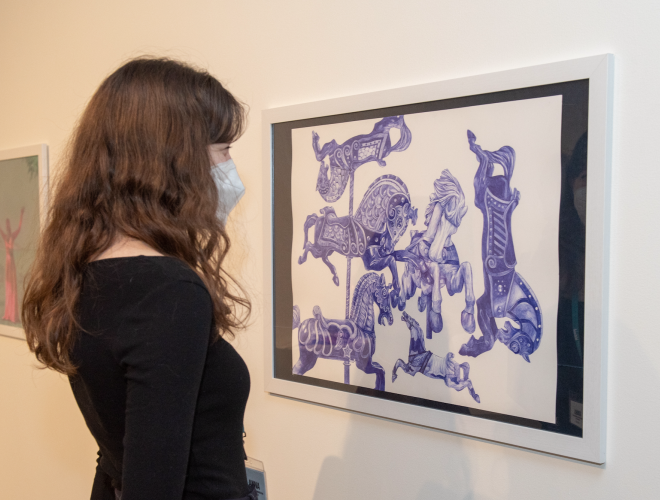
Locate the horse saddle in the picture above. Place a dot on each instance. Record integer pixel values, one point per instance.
(419, 361)
(341, 234)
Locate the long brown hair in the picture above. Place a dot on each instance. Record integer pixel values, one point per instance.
(137, 166)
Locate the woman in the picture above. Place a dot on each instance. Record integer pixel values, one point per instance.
(128, 296)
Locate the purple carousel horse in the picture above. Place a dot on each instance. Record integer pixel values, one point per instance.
(344, 159)
(434, 246)
(420, 360)
(506, 293)
(371, 234)
(343, 339)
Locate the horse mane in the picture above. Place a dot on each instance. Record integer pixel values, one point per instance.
(447, 190)
(362, 305)
(372, 210)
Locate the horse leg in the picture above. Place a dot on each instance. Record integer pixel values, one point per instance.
(422, 302)
(465, 367)
(462, 384)
(453, 378)
(303, 258)
(436, 295)
(368, 366)
(327, 148)
(309, 222)
(409, 257)
(306, 361)
(458, 278)
(400, 364)
(407, 287)
(474, 347)
(433, 320)
(333, 269)
(396, 288)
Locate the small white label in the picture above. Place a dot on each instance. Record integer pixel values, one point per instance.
(256, 475)
(576, 413)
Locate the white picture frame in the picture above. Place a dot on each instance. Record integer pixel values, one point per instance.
(41, 152)
(591, 446)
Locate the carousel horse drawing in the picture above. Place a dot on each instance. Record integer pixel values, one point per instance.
(344, 159)
(435, 248)
(506, 293)
(371, 234)
(433, 366)
(341, 339)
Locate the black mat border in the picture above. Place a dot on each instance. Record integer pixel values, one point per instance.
(575, 102)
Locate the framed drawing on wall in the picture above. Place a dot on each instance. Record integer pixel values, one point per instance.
(23, 192)
(433, 258)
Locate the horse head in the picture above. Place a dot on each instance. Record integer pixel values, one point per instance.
(400, 212)
(412, 324)
(449, 194)
(520, 344)
(525, 337)
(516, 340)
(411, 214)
(409, 320)
(320, 320)
(381, 296)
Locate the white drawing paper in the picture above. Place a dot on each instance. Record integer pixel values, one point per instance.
(517, 375)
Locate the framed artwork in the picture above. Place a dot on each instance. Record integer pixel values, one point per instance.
(23, 192)
(433, 258)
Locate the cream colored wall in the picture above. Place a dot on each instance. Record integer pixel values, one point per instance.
(275, 53)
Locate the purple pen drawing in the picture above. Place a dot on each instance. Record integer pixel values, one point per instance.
(431, 365)
(352, 339)
(506, 293)
(344, 159)
(372, 233)
(435, 248)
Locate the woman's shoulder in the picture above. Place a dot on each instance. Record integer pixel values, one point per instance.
(141, 274)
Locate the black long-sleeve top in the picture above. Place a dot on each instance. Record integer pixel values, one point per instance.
(163, 397)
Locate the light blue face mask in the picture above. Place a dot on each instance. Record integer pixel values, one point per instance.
(230, 188)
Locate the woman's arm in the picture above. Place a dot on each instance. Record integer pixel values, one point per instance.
(168, 335)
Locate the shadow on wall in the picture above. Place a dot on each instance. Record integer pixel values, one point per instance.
(385, 460)
(389, 460)
(42, 430)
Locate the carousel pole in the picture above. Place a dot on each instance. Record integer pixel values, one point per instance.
(347, 361)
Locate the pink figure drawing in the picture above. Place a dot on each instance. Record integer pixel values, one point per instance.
(11, 281)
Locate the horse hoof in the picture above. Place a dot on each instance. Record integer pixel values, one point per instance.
(477, 398)
(467, 321)
(393, 377)
(394, 300)
(300, 261)
(335, 280)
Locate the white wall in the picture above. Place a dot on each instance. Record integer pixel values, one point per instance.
(275, 53)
